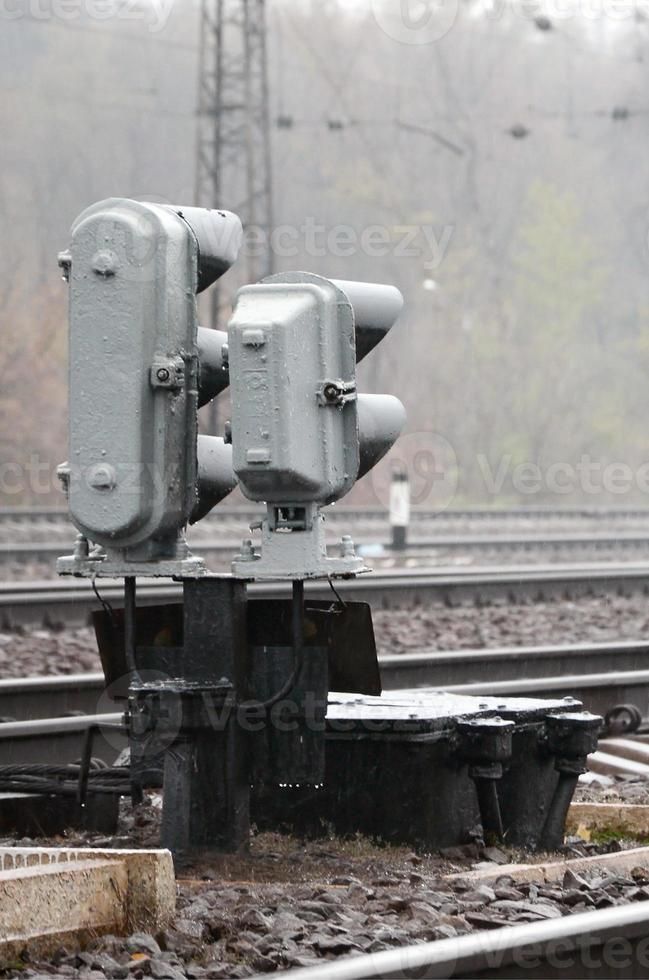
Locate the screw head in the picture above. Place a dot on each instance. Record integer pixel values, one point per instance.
(162, 374)
(330, 391)
(102, 476)
(104, 263)
(247, 550)
(347, 546)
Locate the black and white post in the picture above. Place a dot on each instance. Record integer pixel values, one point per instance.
(399, 508)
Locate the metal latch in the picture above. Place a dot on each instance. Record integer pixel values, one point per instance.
(168, 372)
(65, 264)
(336, 392)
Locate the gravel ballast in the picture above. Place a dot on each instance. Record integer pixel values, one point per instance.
(294, 903)
(50, 651)
(291, 903)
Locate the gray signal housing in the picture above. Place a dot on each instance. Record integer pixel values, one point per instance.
(301, 433)
(294, 431)
(134, 269)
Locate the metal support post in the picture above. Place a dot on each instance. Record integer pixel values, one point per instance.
(206, 772)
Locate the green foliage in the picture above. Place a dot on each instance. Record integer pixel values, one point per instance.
(558, 280)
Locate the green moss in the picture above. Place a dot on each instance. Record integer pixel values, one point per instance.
(607, 834)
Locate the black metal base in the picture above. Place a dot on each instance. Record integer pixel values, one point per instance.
(400, 769)
(226, 694)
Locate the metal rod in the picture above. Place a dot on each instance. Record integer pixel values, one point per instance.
(492, 824)
(129, 624)
(297, 638)
(552, 835)
(298, 620)
(86, 759)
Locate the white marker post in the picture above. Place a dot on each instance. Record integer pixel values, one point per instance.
(399, 508)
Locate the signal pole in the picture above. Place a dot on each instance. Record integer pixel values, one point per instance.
(233, 152)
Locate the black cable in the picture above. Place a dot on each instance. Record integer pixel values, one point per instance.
(63, 780)
(130, 626)
(108, 609)
(336, 593)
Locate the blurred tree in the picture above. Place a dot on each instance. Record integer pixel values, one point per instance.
(557, 358)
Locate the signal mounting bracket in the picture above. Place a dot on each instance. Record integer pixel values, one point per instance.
(100, 563)
(293, 546)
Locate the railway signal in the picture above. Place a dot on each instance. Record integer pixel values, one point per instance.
(301, 432)
(138, 473)
(228, 693)
(140, 366)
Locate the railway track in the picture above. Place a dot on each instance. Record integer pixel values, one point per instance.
(224, 549)
(601, 676)
(70, 602)
(59, 515)
(599, 944)
(60, 740)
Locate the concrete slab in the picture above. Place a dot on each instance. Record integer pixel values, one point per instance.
(631, 819)
(45, 906)
(49, 896)
(621, 862)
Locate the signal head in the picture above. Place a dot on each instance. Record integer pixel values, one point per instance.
(301, 434)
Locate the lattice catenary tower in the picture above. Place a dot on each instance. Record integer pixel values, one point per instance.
(233, 159)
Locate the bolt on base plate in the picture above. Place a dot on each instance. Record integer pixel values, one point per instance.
(296, 555)
(105, 568)
(86, 563)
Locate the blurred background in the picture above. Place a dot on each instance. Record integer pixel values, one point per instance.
(486, 158)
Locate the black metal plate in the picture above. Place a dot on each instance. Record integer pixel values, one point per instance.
(346, 630)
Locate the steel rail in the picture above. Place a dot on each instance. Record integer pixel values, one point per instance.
(52, 741)
(601, 675)
(28, 514)
(56, 696)
(65, 601)
(225, 549)
(599, 944)
(33, 709)
(517, 665)
(598, 692)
